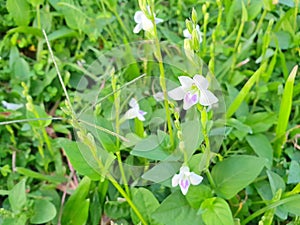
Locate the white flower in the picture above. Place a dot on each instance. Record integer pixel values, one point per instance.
(143, 22)
(134, 111)
(188, 35)
(193, 91)
(185, 178)
(11, 106)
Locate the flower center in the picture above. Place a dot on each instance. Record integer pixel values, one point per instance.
(184, 183)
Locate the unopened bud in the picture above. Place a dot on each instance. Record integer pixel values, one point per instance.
(189, 25)
(194, 16)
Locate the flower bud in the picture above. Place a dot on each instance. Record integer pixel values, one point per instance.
(194, 16)
(195, 40)
(189, 25)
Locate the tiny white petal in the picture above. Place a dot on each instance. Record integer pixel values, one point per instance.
(147, 24)
(158, 20)
(11, 106)
(138, 16)
(175, 180)
(187, 34)
(140, 115)
(201, 82)
(177, 93)
(207, 98)
(133, 103)
(190, 100)
(195, 178)
(186, 82)
(130, 114)
(137, 28)
(184, 169)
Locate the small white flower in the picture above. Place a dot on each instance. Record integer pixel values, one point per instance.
(134, 111)
(143, 22)
(193, 91)
(185, 178)
(188, 35)
(11, 106)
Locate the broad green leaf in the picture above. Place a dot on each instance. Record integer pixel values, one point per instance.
(40, 176)
(61, 33)
(293, 207)
(21, 70)
(162, 171)
(244, 92)
(197, 194)
(146, 203)
(276, 182)
(76, 210)
(17, 196)
(117, 210)
(175, 210)
(35, 3)
(192, 136)
(19, 10)
(235, 173)
(262, 147)
(78, 161)
(44, 211)
(294, 173)
(216, 211)
(26, 30)
(284, 112)
(261, 122)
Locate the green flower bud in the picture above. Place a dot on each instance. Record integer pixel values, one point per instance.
(194, 16)
(189, 25)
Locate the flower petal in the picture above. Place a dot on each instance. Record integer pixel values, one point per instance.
(187, 34)
(207, 98)
(158, 20)
(190, 100)
(138, 16)
(140, 115)
(184, 185)
(133, 103)
(147, 24)
(175, 180)
(195, 179)
(186, 82)
(11, 106)
(137, 28)
(130, 114)
(201, 82)
(184, 169)
(177, 93)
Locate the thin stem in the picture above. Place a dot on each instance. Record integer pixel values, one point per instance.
(123, 193)
(58, 73)
(162, 80)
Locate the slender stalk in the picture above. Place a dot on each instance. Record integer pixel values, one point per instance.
(162, 79)
(124, 194)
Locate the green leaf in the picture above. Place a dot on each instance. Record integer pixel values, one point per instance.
(17, 196)
(76, 209)
(117, 210)
(145, 201)
(262, 147)
(162, 171)
(44, 211)
(19, 10)
(235, 173)
(276, 182)
(39, 112)
(216, 211)
(21, 70)
(192, 136)
(175, 210)
(79, 162)
(261, 122)
(40, 176)
(244, 92)
(197, 194)
(284, 112)
(293, 206)
(294, 173)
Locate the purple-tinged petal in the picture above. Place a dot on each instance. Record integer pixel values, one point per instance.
(158, 20)
(133, 103)
(190, 100)
(186, 82)
(140, 115)
(195, 179)
(177, 94)
(201, 82)
(184, 185)
(207, 98)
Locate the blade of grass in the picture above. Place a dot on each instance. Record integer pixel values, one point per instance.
(284, 112)
(245, 91)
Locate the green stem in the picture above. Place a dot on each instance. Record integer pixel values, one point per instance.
(123, 193)
(163, 81)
